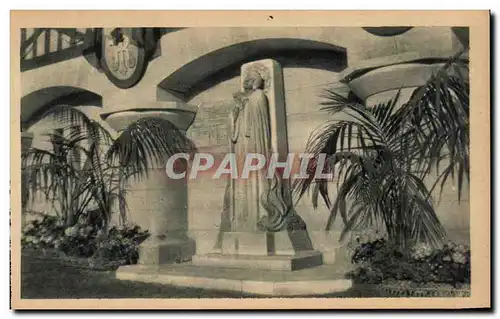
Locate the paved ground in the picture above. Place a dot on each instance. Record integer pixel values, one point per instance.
(50, 279)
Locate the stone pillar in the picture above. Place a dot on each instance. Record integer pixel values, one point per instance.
(26, 142)
(157, 201)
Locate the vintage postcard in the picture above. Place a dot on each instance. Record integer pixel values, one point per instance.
(250, 160)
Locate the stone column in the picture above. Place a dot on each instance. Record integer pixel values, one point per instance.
(156, 201)
(26, 142)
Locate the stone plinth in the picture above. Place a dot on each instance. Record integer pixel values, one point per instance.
(293, 262)
(256, 243)
(306, 282)
(157, 251)
(161, 200)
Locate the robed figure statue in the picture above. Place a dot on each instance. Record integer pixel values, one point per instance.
(250, 134)
(257, 204)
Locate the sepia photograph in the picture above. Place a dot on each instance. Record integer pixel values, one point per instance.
(256, 160)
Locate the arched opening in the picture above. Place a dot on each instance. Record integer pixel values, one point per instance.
(36, 103)
(223, 64)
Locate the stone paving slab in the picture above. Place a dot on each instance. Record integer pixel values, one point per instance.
(312, 281)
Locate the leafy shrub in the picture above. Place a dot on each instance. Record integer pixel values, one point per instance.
(85, 239)
(122, 244)
(44, 233)
(79, 240)
(379, 261)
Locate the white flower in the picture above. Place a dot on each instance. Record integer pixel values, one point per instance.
(421, 250)
(458, 258)
(71, 231)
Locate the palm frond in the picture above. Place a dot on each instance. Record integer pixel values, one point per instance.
(148, 143)
(441, 110)
(395, 150)
(68, 117)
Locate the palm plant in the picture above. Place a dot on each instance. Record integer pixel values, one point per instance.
(87, 165)
(382, 156)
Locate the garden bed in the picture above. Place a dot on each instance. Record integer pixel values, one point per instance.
(90, 263)
(412, 289)
(82, 245)
(422, 271)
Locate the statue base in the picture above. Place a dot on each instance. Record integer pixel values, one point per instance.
(157, 251)
(262, 250)
(301, 260)
(323, 280)
(256, 243)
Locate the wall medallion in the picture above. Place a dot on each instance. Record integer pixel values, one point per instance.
(123, 56)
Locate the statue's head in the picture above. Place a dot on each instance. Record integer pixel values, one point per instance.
(253, 81)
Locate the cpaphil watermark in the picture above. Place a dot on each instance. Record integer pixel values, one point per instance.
(295, 166)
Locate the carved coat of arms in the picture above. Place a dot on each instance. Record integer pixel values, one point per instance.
(123, 58)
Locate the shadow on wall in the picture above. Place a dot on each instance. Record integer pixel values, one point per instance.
(35, 104)
(224, 64)
(323, 60)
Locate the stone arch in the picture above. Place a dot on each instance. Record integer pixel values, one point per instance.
(222, 64)
(35, 104)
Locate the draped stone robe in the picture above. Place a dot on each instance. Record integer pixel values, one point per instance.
(250, 134)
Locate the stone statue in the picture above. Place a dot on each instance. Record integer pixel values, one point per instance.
(258, 205)
(250, 133)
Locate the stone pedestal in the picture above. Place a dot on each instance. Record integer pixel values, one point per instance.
(282, 243)
(160, 200)
(257, 243)
(157, 251)
(164, 202)
(289, 262)
(264, 282)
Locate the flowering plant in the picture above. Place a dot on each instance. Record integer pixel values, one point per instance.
(84, 240)
(44, 233)
(379, 261)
